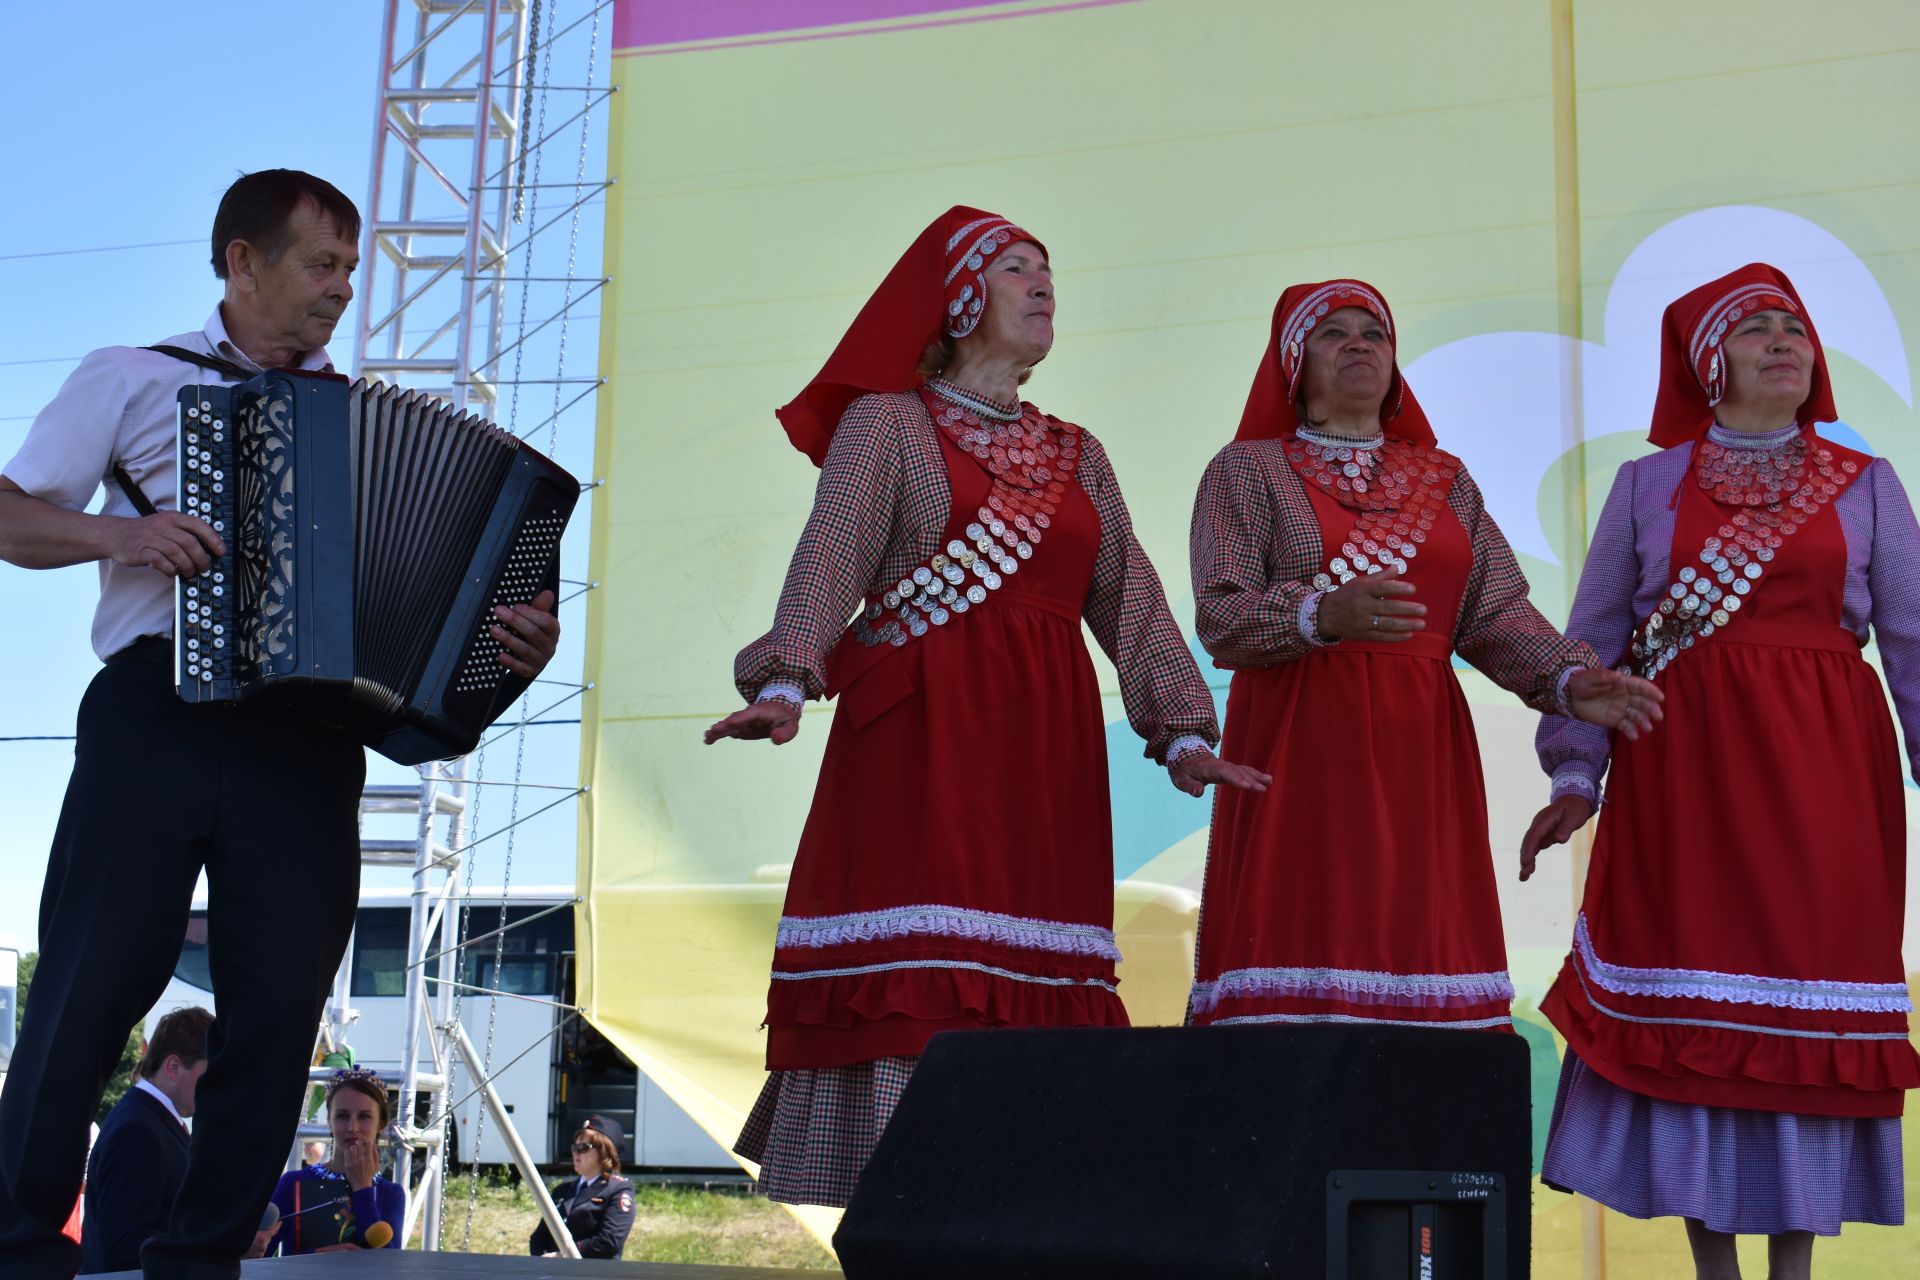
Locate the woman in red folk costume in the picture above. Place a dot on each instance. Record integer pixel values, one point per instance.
(1339, 561)
(956, 869)
(1735, 1004)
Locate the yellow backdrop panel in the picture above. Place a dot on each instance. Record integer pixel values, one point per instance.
(1528, 181)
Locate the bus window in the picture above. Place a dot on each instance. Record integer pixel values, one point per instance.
(522, 960)
(380, 952)
(527, 952)
(192, 968)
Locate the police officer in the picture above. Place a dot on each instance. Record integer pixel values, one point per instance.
(598, 1204)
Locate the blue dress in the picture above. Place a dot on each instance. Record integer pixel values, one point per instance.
(318, 1208)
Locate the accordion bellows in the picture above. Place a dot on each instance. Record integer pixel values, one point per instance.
(370, 532)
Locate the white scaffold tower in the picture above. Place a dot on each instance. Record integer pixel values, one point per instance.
(451, 304)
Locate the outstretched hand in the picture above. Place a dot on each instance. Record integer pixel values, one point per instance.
(1553, 825)
(1615, 700)
(1193, 771)
(770, 719)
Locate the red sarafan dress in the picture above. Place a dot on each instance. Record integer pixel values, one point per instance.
(1738, 943)
(1734, 1003)
(956, 869)
(1360, 887)
(960, 754)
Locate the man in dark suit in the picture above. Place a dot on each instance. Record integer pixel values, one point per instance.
(140, 1158)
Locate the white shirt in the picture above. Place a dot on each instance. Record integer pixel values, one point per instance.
(120, 406)
(165, 1101)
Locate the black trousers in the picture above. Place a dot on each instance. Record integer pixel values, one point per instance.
(161, 789)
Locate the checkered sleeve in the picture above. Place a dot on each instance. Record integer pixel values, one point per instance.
(1245, 619)
(1498, 630)
(1126, 609)
(1573, 753)
(1893, 578)
(846, 536)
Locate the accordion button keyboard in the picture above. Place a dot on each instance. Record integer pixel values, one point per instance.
(205, 668)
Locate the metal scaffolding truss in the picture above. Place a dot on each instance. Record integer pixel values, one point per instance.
(436, 1046)
(449, 189)
(454, 178)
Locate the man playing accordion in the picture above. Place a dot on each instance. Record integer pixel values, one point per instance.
(266, 804)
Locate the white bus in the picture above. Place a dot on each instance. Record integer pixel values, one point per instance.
(9, 1000)
(549, 1081)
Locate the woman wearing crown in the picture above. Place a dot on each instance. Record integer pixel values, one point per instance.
(344, 1204)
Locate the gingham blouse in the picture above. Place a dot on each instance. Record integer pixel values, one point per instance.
(1256, 543)
(879, 510)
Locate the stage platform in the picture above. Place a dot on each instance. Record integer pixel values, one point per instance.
(401, 1264)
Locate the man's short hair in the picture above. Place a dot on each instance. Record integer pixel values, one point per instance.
(259, 209)
(181, 1034)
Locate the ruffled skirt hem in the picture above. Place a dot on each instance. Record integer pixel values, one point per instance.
(1720, 1066)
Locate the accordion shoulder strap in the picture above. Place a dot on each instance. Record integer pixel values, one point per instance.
(225, 368)
(135, 494)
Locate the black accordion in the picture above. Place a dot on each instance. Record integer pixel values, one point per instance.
(370, 532)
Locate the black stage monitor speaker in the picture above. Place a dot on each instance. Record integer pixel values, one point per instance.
(1335, 1152)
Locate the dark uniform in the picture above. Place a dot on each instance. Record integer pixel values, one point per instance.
(598, 1212)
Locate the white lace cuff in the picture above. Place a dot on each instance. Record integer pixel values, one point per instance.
(782, 691)
(1571, 780)
(1185, 745)
(1310, 622)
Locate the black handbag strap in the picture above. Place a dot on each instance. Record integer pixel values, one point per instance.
(225, 368)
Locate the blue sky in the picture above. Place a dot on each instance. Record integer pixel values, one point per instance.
(126, 134)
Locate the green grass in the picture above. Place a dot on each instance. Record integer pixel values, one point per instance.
(670, 1224)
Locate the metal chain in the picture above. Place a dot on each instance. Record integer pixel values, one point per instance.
(535, 96)
(526, 105)
(459, 1002)
(533, 209)
(520, 746)
(456, 836)
(573, 236)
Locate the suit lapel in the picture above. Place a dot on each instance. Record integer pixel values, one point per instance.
(162, 1116)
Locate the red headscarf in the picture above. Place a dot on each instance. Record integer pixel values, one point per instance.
(940, 283)
(1693, 364)
(1272, 408)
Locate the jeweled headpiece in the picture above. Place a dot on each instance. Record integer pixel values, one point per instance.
(1693, 360)
(939, 286)
(1273, 402)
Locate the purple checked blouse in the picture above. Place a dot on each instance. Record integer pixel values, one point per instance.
(1627, 571)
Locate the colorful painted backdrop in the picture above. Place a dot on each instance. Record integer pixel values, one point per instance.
(1529, 181)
